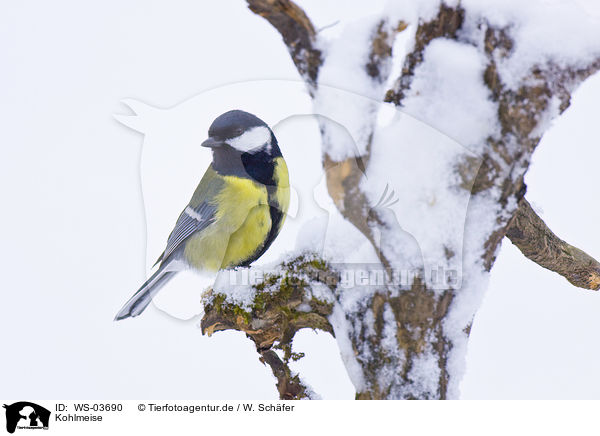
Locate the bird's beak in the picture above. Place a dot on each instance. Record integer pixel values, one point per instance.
(212, 143)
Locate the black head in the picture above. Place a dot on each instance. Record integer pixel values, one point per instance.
(242, 145)
(240, 130)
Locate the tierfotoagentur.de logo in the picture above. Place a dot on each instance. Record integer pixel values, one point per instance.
(26, 415)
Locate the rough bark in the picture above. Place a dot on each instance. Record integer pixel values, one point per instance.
(537, 242)
(298, 34)
(418, 314)
(282, 305)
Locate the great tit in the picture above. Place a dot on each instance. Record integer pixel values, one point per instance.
(236, 211)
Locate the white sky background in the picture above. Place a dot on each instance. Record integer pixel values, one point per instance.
(73, 230)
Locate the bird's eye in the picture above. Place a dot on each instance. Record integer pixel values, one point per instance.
(239, 131)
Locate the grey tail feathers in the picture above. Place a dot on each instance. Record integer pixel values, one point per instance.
(142, 298)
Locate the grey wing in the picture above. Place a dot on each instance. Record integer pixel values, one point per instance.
(191, 220)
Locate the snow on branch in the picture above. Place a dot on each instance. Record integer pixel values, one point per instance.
(481, 76)
(445, 25)
(381, 49)
(529, 91)
(283, 303)
(524, 112)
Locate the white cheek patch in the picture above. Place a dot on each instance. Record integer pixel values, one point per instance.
(253, 138)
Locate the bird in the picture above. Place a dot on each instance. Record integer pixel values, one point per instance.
(235, 213)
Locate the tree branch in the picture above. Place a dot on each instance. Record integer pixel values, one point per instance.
(519, 116)
(298, 34)
(283, 304)
(289, 385)
(538, 243)
(392, 334)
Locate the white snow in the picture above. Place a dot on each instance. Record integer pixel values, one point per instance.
(412, 11)
(389, 342)
(448, 94)
(431, 210)
(236, 285)
(424, 374)
(339, 322)
(557, 31)
(346, 94)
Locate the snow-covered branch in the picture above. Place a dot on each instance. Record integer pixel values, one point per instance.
(524, 107)
(282, 303)
(487, 77)
(445, 24)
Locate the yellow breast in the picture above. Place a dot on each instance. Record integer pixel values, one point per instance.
(242, 223)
